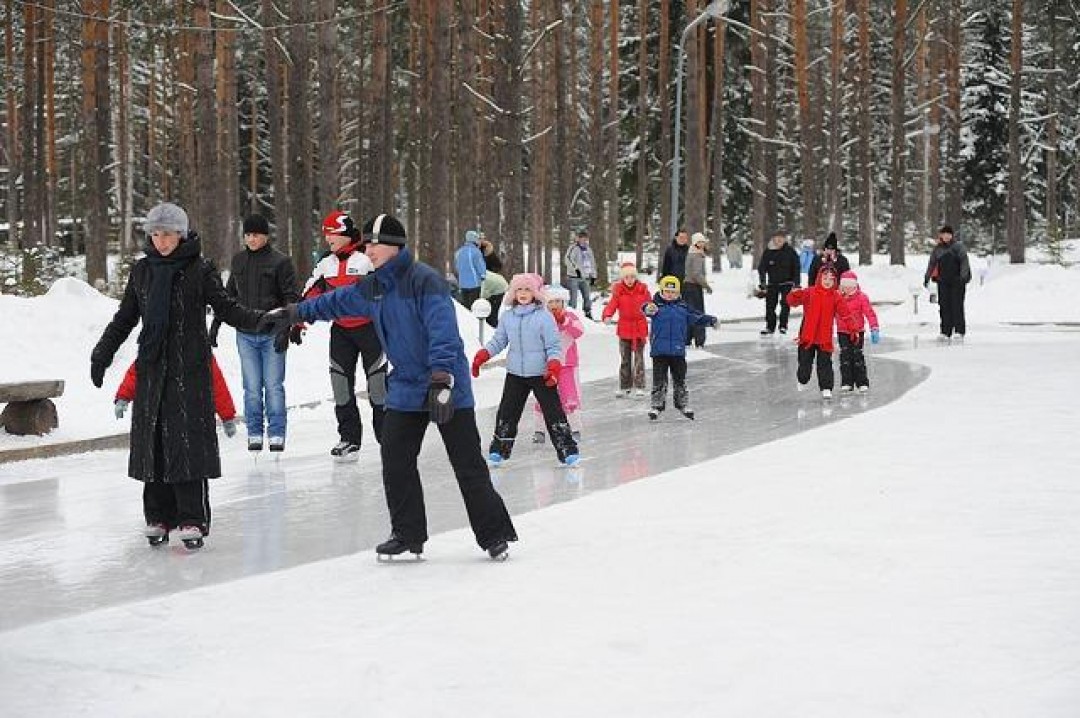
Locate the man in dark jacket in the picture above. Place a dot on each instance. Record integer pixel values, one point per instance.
(674, 263)
(778, 274)
(174, 447)
(414, 316)
(263, 278)
(949, 267)
(830, 255)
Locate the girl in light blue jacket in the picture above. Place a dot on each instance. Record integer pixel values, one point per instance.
(532, 367)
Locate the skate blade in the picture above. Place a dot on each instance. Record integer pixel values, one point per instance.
(501, 557)
(406, 557)
(351, 459)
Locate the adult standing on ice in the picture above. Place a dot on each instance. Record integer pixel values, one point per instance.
(174, 448)
(950, 269)
(414, 315)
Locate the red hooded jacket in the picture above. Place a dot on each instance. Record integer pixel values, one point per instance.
(223, 402)
(821, 307)
(627, 301)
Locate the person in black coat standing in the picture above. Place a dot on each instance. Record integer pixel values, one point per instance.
(674, 263)
(778, 274)
(174, 448)
(949, 267)
(830, 255)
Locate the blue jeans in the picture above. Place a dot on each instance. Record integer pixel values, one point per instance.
(264, 384)
(582, 286)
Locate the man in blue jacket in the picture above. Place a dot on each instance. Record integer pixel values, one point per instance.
(471, 268)
(414, 316)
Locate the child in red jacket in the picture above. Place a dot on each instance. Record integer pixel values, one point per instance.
(627, 297)
(849, 333)
(223, 403)
(822, 306)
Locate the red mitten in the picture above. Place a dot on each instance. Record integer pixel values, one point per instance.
(551, 376)
(479, 360)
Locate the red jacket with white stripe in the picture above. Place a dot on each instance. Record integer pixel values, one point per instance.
(223, 402)
(340, 269)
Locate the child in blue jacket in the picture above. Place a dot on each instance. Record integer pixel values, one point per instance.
(670, 318)
(532, 367)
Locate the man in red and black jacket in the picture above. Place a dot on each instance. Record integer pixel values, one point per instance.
(351, 338)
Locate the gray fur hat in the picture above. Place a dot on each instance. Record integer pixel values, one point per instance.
(166, 217)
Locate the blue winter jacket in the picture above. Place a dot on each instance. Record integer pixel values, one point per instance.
(471, 269)
(667, 330)
(414, 317)
(533, 337)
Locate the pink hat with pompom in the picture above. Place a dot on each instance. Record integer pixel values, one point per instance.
(849, 280)
(527, 280)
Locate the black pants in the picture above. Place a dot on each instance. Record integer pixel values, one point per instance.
(852, 360)
(496, 301)
(810, 355)
(347, 346)
(661, 367)
(403, 434)
(776, 293)
(951, 306)
(631, 364)
(516, 390)
(468, 296)
(185, 503)
(694, 294)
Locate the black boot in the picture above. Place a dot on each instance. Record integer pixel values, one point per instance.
(499, 551)
(394, 546)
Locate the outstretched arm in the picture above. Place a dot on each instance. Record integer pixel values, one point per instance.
(346, 301)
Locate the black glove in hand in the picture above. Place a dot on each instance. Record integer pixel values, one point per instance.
(97, 373)
(296, 334)
(440, 397)
(281, 341)
(278, 320)
(215, 326)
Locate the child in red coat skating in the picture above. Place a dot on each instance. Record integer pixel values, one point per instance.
(822, 305)
(223, 402)
(850, 335)
(627, 297)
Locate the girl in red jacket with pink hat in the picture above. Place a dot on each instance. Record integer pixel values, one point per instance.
(822, 306)
(627, 297)
(850, 336)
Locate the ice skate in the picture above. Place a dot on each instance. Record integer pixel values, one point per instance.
(864, 389)
(688, 413)
(539, 437)
(571, 460)
(958, 338)
(345, 451)
(498, 551)
(765, 333)
(495, 459)
(393, 546)
(156, 534)
(192, 536)
(622, 393)
(639, 393)
(800, 386)
(576, 436)
(654, 414)
(944, 338)
(783, 330)
(277, 444)
(846, 388)
(826, 394)
(254, 443)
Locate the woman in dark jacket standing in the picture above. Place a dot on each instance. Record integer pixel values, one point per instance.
(174, 447)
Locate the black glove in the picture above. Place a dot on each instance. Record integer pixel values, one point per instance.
(440, 397)
(97, 373)
(296, 334)
(278, 320)
(281, 341)
(592, 281)
(215, 326)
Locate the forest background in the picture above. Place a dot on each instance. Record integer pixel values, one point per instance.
(530, 119)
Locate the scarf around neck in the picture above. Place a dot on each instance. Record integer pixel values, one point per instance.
(162, 273)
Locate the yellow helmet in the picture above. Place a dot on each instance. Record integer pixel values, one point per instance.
(670, 283)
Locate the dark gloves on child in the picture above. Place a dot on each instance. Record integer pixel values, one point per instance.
(278, 320)
(440, 397)
(551, 376)
(479, 360)
(296, 334)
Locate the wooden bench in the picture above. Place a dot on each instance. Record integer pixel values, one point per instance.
(29, 407)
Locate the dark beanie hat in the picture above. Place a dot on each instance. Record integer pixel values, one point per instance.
(945, 229)
(830, 241)
(384, 229)
(256, 224)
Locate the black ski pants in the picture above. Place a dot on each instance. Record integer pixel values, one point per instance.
(694, 294)
(852, 360)
(347, 347)
(403, 435)
(808, 357)
(951, 305)
(185, 503)
(468, 296)
(676, 367)
(516, 390)
(776, 293)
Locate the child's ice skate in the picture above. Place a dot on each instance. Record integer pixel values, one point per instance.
(192, 536)
(156, 534)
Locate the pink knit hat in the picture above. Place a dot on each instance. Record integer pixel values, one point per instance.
(849, 280)
(527, 280)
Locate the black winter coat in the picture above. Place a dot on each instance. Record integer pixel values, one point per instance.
(779, 266)
(264, 279)
(172, 418)
(674, 263)
(951, 262)
(841, 265)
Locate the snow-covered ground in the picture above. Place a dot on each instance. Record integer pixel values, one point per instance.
(917, 560)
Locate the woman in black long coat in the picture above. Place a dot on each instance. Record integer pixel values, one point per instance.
(174, 447)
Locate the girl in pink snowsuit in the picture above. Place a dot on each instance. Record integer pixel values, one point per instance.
(570, 328)
(850, 335)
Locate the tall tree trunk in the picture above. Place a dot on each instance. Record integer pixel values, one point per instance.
(933, 157)
(863, 93)
(1016, 205)
(48, 91)
(613, 230)
(539, 147)
(274, 70)
(1053, 138)
(921, 159)
(208, 214)
(898, 212)
(508, 83)
(564, 111)
(436, 246)
(596, 131)
(186, 118)
(663, 91)
(717, 135)
(696, 175)
(329, 116)
(771, 164)
(641, 229)
(12, 151)
(300, 148)
(227, 148)
(96, 114)
(758, 91)
(807, 127)
(465, 165)
(835, 214)
(954, 185)
(31, 166)
(125, 159)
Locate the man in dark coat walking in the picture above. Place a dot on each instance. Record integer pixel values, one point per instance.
(174, 447)
(950, 269)
(778, 274)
